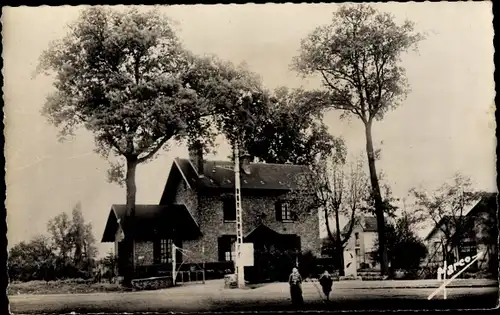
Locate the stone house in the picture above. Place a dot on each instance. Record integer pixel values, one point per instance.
(197, 213)
(478, 233)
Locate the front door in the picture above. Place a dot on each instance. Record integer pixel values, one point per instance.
(124, 259)
(274, 258)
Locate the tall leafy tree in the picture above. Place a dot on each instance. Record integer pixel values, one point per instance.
(358, 57)
(72, 241)
(77, 233)
(293, 131)
(237, 102)
(121, 75)
(82, 239)
(60, 230)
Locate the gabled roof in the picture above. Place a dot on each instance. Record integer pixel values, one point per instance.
(370, 224)
(151, 221)
(220, 175)
(443, 221)
(262, 231)
(488, 202)
(367, 223)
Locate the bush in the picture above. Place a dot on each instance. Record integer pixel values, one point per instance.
(364, 265)
(307, 264)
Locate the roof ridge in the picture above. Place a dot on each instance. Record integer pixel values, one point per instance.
(253, 163)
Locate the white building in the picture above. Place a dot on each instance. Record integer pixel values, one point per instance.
(363, 241)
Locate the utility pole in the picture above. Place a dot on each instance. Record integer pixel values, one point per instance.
(239, 269)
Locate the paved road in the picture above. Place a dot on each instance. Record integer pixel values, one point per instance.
(275, 296)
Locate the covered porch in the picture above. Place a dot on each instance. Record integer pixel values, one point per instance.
(275, 254)
(144, 243)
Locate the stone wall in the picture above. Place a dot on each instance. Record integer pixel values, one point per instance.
(152, 283)
(213, 226)
(144, 253)
(187, 197)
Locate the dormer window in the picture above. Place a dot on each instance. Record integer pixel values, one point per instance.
(284, 212)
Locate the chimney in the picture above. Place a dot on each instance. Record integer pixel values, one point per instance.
(245, 160)
(196, 157)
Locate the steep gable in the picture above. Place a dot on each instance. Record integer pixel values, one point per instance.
(367, 224)
(487, 204)
(179, 173)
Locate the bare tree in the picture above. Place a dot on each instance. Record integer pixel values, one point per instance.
(338, 189)
(446, 208)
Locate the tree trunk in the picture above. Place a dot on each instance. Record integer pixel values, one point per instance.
(130, 219)
(379, 205)
(339, 246)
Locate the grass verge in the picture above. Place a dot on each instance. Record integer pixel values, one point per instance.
(62, 287)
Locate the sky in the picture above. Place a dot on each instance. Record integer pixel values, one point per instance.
(445, 125)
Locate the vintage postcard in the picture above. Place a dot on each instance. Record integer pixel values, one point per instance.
(253, 157)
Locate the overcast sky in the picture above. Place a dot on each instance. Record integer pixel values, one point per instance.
(445, 125)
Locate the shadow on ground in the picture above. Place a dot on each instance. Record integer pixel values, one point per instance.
(489, 301)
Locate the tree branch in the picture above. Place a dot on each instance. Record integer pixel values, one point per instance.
(355, 65)
(366, 85)
(154, 150)
(343, 76)
(348, 104)
(380, 79)
(113, 143)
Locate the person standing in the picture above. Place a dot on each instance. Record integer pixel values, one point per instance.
(326, 283)
(295, 281)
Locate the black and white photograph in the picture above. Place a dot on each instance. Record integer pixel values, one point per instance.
(250, 157)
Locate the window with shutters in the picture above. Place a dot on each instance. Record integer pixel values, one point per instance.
(229, 209)
(284, 212)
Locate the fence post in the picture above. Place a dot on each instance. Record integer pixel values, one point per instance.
(203, 254)
(444, 277)
(174, 264)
